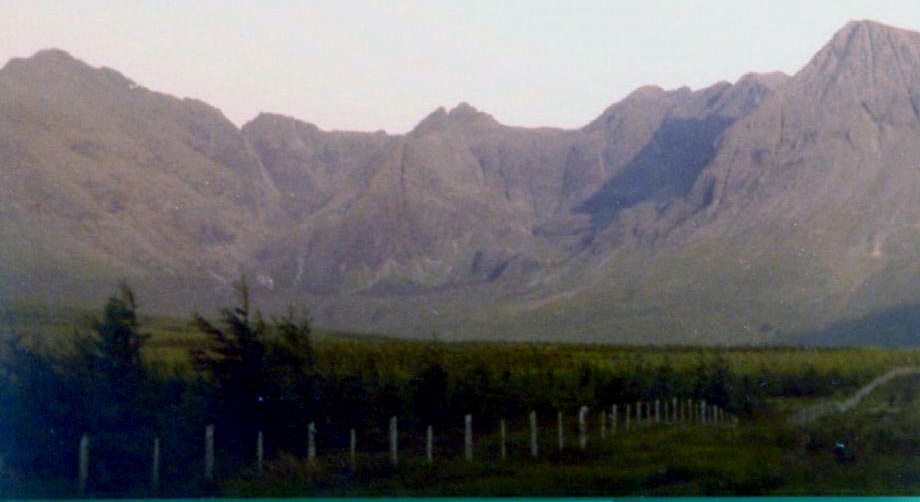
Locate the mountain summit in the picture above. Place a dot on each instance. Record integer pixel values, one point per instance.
(746, 212)
(463, 117)
(816, 192)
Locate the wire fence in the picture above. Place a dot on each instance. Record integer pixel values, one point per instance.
(522, 439)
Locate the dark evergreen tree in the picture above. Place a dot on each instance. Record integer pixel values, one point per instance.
(263, 381)
(236, 362)
(39, 417)
(430, 394)
(293, 388)
(113, 354)
(713, 380)
(114, 394)
(473, 393)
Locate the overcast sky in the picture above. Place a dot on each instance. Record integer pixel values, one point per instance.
(386, 64)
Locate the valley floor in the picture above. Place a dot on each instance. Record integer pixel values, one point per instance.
(359, 382)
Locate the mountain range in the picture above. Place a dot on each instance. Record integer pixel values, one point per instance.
(775, 209)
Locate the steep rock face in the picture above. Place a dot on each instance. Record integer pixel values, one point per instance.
(321, 176)
(382, 212)
(315, 169)
(102, 177)
(828, 165)
(679, 140)
(801, 213)
(850, 106)
(461, 196)
(806, 212)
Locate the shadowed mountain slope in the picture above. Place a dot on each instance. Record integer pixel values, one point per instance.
(807, 212)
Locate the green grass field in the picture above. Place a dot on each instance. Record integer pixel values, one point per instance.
(765, 454)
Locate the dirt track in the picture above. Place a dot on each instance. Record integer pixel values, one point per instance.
(819, 410)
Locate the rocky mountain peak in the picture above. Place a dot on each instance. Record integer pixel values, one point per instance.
(53, 54)
(862, 35)
(646, 92)
(463, 117)
(464, 110)
(279, 123)
(770, 80)
(867, 71)
(868, 47)
(58, 67)
(435, 121)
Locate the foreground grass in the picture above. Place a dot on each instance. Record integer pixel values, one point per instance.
(877, 446)
(661, 460)
(768, 456)
(763, 456)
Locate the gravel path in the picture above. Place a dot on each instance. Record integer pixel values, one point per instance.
(819, 410)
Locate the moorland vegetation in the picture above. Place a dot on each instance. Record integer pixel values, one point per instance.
(124, 380)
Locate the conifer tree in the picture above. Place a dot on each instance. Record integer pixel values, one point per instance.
(263, 380)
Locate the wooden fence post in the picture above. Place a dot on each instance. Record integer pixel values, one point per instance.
(638, 413)
(429, 444)
(583, 427)
(602, 419)
(534, 451)
(311, 444)
(468, 437)
(674, 409)
(688, 411)
(628, 414)
(703, 412)
(84, 465)
(504, 434)
(657, 411)
(353, 450)
(394, 442)
(155, 471)
(561, 433)
(260, 452)
(209, 453)
(613, 420)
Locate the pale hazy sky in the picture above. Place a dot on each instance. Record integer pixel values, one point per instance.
(363, 65)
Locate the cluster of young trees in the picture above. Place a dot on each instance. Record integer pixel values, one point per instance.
(103, 388)
(254, 377)
(261, 376)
